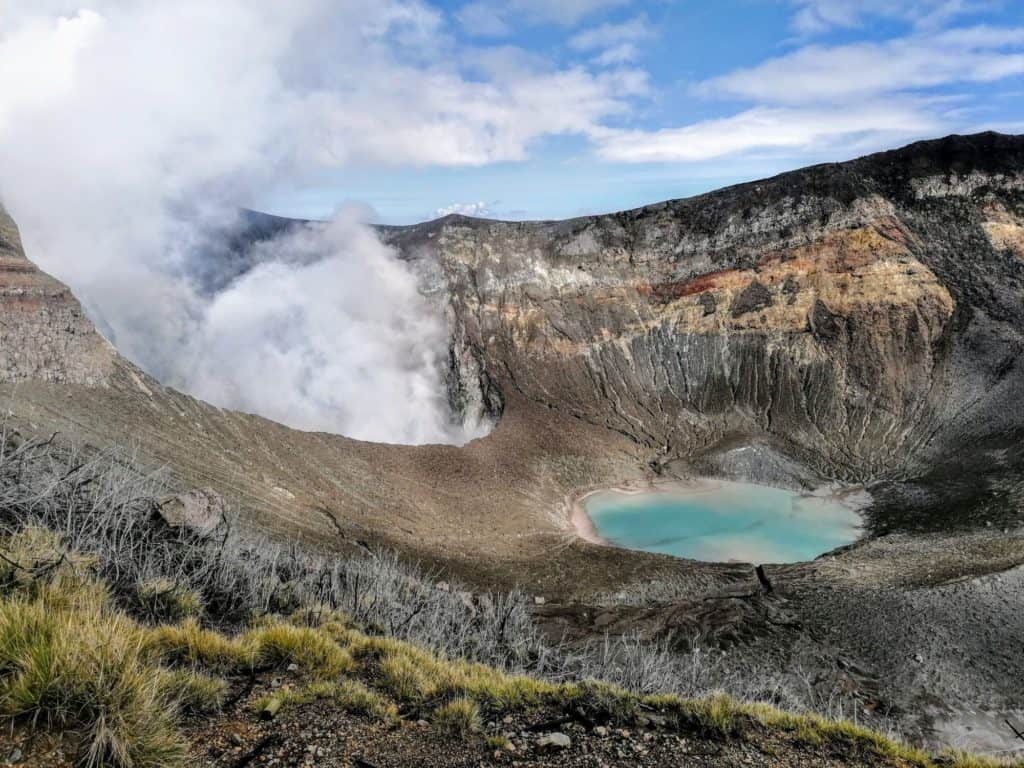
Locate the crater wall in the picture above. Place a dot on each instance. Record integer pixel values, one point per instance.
(864, 316)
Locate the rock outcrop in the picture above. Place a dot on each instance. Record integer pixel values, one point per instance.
(200, 511)
(44, 334)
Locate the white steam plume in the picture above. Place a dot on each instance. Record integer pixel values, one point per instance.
(330, 333)
(131, 131)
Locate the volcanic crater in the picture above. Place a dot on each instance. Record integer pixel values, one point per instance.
(854, 325)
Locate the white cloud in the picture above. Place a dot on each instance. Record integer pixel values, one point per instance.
(819, 100)
(465, 209)
(499, 17)
(614, 43)
(836, 74)
(607, 35)
(326, 91)
(504, 62)
(37, 62)
(485, 19)
(402, 115)
(817, 16)
(619, 54)
(801, 130)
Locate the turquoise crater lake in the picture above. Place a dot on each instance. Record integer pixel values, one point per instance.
(721, 521)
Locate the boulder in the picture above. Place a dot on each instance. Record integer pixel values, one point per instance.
(200, 511)
(708, 303)
(554, 741)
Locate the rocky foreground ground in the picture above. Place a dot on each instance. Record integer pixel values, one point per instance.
(318, 736)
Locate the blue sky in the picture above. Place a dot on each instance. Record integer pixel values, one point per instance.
(669, 98)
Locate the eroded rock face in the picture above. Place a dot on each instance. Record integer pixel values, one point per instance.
(44, 334)
(867, 316)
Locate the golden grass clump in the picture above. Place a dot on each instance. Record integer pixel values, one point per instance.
(161, 600)
(190, 645)
(312, 650)
(193, 691)
(70, 662)
(497, 741)
(348, 695)
(405, 679)
(36, 565)
(353, 696)
(459, 717)
(412, 675)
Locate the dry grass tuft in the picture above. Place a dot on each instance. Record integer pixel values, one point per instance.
(313, 650)
(193, 691)
(162, 600)
(188, 644)
(460, 717)
(70, 662)
(348, 695)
